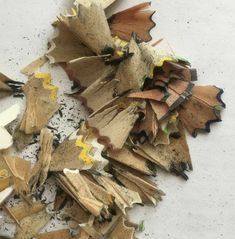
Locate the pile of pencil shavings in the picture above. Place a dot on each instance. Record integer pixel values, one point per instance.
(141, 99)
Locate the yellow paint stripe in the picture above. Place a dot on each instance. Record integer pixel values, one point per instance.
(84, 155)
(46, 77)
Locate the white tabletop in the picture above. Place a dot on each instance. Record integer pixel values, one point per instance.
(204, 33)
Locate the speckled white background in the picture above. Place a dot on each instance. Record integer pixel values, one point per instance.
(204, 33)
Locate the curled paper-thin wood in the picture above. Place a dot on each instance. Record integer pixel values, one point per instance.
(122, 230)
(41, 168)
(136, 19)
(66, 46)
(86, 22)
(30, 226)
(41, 103)
(88, 69)
(66, 156)
(25, 210)
(34, 66)
(82, 193)
(127, 157)
(147, 190)
(20, 171)
(202, 109)
(124, 197)
(132, 71)
(114, 117)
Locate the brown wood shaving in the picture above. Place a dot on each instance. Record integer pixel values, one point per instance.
(40, 170)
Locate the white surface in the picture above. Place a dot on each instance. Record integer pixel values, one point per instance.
(6, 117)
(10, 114)
(204, 33)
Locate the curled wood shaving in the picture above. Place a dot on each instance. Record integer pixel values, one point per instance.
(136, 19)
(99, 192)
(77, 213)
(40, 170)
(25, 210)
(155, 94)
(127, 157)
(202, 109)
(86, 22)
(30, 226)
(102, 89)
(90, 230)
(122, 230)
(66, 156)
(161, 109)
(83, 235)
(147, 190)
(115, 124)
(34, 66)
(82, 193)
(41, 103)
(105, 228)
(20, 171)
(132, 71)
(4, 183)
(66, 46)
(81, 152)
(89, 69)
(149, 125)
(174, 157)
(124, 198)
(21, 140)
